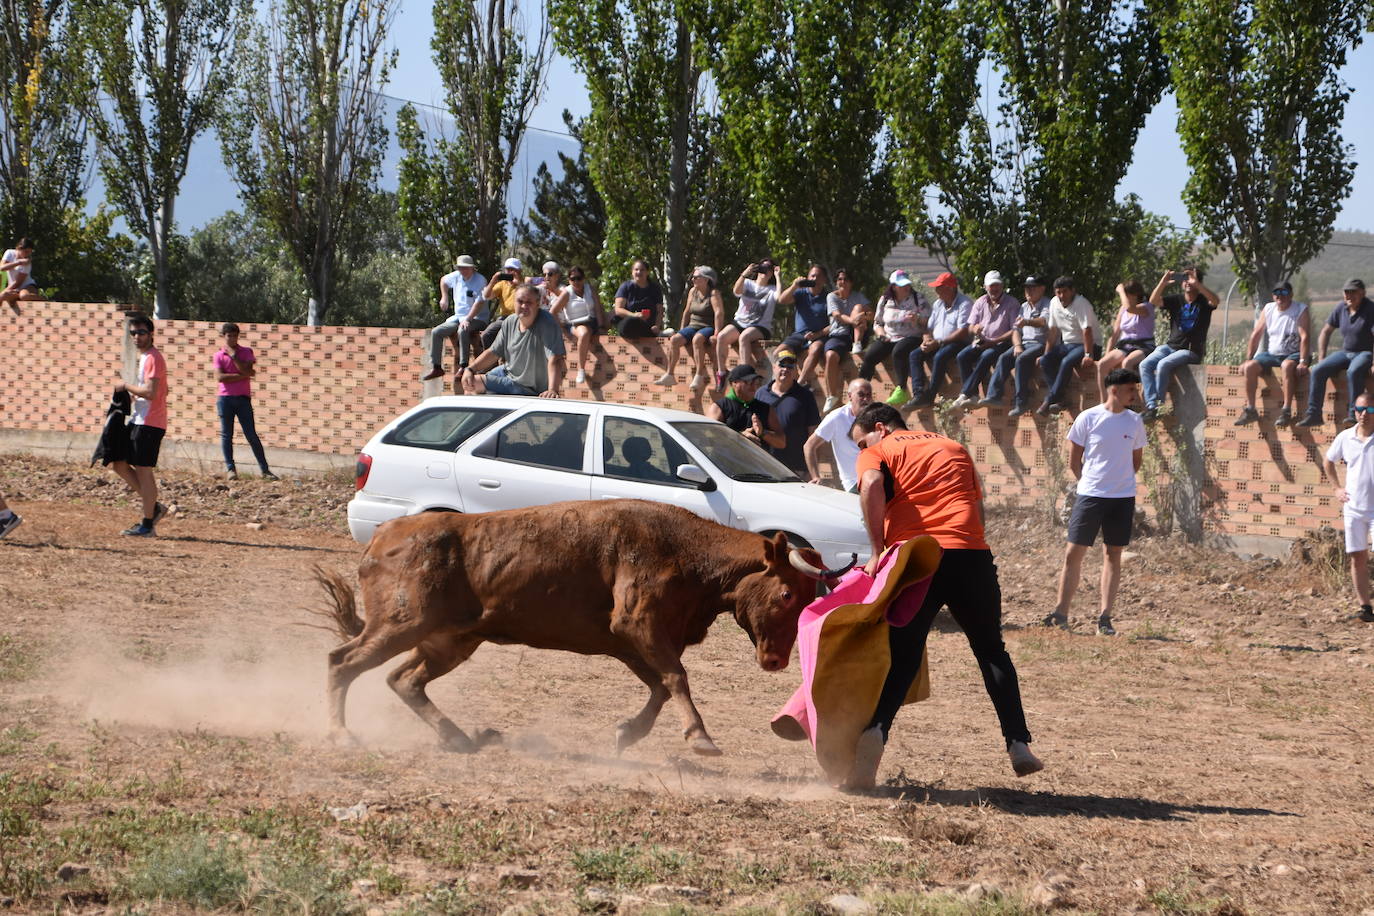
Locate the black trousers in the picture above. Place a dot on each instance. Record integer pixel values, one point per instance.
(966, 583)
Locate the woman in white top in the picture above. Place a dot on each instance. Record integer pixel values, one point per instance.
(757, 289)
(899, 324)
(18, 263)
(703, 316)
(578, 309)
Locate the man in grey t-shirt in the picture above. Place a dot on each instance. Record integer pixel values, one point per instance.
(532, 349)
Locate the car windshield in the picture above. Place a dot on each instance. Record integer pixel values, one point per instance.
(735, 456)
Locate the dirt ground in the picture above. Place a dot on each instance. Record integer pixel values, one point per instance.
(162, 744)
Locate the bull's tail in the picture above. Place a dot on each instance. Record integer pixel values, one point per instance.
(341, 613)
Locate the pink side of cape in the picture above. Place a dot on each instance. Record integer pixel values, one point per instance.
(854, 588)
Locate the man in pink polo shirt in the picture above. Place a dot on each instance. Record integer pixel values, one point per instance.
(148, 426)
(235, 367)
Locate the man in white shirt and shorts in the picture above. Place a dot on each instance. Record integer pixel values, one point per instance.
(1352, 447)
(1107, 443)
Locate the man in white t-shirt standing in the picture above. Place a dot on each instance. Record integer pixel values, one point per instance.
(1106, 444)
(1353, 448)
(835, 430)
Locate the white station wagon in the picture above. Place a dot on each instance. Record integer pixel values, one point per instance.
(481, 454)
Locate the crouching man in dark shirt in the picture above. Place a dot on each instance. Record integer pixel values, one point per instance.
(739, 410)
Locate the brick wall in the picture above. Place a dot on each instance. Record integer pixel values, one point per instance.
(326, 390)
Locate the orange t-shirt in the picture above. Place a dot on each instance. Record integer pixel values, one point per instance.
(935, 489)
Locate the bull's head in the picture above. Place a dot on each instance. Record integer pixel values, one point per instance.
(768, 603)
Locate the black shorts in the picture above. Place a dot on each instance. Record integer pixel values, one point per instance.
(798, 344)
(1111, 516)
(145, 442)
(1145, 345)
(767, 334)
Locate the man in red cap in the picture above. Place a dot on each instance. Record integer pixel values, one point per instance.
(946, 337)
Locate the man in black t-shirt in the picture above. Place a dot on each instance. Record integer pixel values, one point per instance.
(1190, 316)
(739, 410)
(1355, 318)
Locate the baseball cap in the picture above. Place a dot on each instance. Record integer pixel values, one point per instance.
(785, 356)
(512, 264)
(899, 278)
(945, 279)
(465, 260)
(744, 373)
(1033, 280)
(1352, 284)
(708, 273)
(993, 276)
(1283, 286)
(552, 267)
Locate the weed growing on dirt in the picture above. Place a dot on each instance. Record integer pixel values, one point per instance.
(18, 659)
(443, 901)
(951, 905)
(627, 866)
(15, 739)
(188, 869)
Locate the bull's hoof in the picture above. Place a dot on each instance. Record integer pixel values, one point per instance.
(343, 738)
(625, 736)
(704, 746)
(455, 741)
(486, 736)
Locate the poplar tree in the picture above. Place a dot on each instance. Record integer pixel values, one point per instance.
(1260, 106)
(436, 196)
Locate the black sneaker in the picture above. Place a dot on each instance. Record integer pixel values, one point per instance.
(1310, 419)
(140, 531)
(1285, 418)
(1055, 619)
(1056, 407)
(159, 513)
(1150, 414)
(1043, 409)
(1366, 612)
(1247, 416)
(268, 475)
(1104, 626)
(11, 523)
(1017, 410)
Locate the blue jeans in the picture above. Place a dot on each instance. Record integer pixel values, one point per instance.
(1356, 366)
(976, 362)
(938, 359)
(1157, 370)
(1060, 361)
(1025, 371)
(228, 407)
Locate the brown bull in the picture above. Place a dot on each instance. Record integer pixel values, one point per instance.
(638, 581)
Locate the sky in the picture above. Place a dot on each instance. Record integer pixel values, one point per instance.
(1157, 174)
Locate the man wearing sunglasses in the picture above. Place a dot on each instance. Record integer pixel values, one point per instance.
(1288, 347)
(1354, 448)
(147, 427)
(1355, 318)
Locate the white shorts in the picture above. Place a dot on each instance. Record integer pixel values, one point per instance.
(1357, 527)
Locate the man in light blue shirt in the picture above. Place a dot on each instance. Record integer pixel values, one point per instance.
(946, 337)
(464, 287)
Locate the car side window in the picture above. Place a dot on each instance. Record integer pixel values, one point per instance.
(444, 428)
(636, 450)
(552, 440)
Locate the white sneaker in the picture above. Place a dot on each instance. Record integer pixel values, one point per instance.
(698, 382)
(856, 347)
(961, 402)
(830, 404)
(666, 379)
(581, 377)
(1022, 760)
(868, 753)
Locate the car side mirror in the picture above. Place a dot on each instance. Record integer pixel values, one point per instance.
(693, 474)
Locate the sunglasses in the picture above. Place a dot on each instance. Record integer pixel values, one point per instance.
(1363, 409)
(574, 276)
(1283, 292)
(139, 332)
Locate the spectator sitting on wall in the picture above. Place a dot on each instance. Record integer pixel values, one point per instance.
(638, 304)
(18, 263)
(835, 430)
(550, 285)
(149, 425)
(1189, 318)
(810, 320)
(901, 321)
(744, 413)
(464, 287)
(1133, 334)
(1355, 318)
(1107, 443)
(1352, 447)
(795, 406)
(1285, 326)
(1074, 339)
(991, 322)
(578, 310)
(849, 317)
(703, 315)
(941, 344)
(531, 346)
(1027, 345)
(235, 367)
(757, 290)
(500, 292)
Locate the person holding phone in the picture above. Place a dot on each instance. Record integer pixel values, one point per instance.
(901, 322)
(1190, 316)
(18, 263)
(757, 289)
(810, 319)
(638, 304)
(501, 292)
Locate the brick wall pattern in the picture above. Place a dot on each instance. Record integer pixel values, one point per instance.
(328, 389)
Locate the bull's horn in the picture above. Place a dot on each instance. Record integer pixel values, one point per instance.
(799, 563)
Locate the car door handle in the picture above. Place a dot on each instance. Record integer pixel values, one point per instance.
(486, 484)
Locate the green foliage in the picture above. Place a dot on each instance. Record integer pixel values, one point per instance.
(801, 120)
(160, 72)
(567, 221)
(18, 660)
(1031, 188)
(303, 134)
(191, 870)
(627, 866)
(1260, 106)
(436, 197)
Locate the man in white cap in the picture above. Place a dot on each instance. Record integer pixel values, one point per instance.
(464, 287)
(990, 323)
(501, 291)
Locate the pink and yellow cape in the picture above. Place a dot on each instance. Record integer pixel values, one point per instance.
(843, 643)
